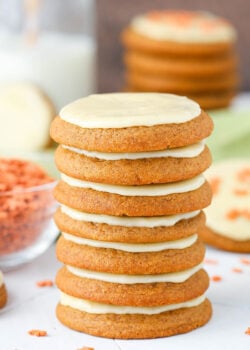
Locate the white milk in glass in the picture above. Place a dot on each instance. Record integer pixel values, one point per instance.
(62, 58)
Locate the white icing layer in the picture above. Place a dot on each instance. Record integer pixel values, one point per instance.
(184, 27)
(1, 278)
(232, 195)
(135, 247)
(121, 110)
(155, 221)
(144, 190)
(174, 277)
(98, 308)
(181, 152)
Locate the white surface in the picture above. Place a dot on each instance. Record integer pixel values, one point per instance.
(31, 307)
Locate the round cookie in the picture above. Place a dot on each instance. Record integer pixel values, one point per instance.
(131, 172)
(136, 326)
(111, 233)
(97, 202)
(179, 33)
(180, 67)
(3, 292)
(177, 122)
(121, 262)
(228, 217)
(214, 101)
(138, 42)
(215, 239)
(179, 85)
(140, 294)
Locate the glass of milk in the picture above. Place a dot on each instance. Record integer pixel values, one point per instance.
(51, 44)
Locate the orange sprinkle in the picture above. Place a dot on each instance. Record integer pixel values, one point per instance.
(216, 278)
(244, 175)
(239, 192)
(215, 184)
(37, 333)
(86, 348)
(211, 261)
(233, 214)
(237, 270)
(209, 25)
(45, 283)
(245, 261)
(246, 214)
(247, 331)
(181, 18)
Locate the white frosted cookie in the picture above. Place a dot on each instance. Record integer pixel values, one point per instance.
(228, 217)
(183, 27)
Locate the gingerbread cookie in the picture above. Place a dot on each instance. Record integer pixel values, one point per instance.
(228, 217)
(141, 168)
(122, 229)
(179, 122)
(126, 262)
(184, 318)
(181, 286)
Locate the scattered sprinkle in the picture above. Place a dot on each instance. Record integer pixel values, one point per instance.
(37, 333)
(239, 192)
(216, 278)
(247, 331)
(244, 175)
(215, 184)
(86, 348)
(45, 283)
(237, 270)
(234, 214)
(211, 261)
(245, 261)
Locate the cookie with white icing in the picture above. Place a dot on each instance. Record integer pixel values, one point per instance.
(228, 217)
(135, 326)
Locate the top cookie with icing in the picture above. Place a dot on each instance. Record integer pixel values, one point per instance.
(122, 110)
(131, 122)
(184, 27)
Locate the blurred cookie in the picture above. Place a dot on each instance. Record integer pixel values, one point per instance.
(3, 292)
(228, 217)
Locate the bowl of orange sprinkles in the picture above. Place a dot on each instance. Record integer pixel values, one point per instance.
(26, 212)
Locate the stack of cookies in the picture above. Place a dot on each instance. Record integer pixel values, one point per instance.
(182, 52)
(131, 195)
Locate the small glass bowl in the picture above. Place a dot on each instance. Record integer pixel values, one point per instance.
(27, 228)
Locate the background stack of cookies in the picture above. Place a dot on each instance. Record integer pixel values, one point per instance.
(131, 195)
(182, 52)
